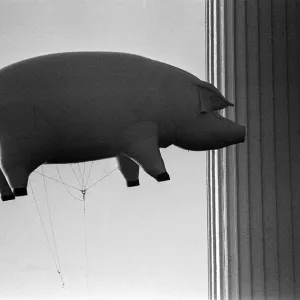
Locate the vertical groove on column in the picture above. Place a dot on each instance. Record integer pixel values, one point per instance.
(213, 164)
(217, 165)
(217, 223)
(268, 156)
(254, 151)
(211, 196)
(209, 256)
(232, 291)
(216, 157)
(208, 160)
(222, 166)
(293, 30)
(285, 246)
(208, 167)
(242, 183)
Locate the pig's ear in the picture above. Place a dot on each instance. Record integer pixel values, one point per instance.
(210, 99)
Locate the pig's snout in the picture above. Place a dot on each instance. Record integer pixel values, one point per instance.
(221, 132)
(210, 131)
(237, 133)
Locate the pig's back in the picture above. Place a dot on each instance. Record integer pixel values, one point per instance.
(79, 78)
(84, 90)
(73, 74)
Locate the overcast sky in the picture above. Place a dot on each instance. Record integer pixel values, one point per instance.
(147, 242)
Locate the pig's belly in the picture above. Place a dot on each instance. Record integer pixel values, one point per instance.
(85, 142)
(87, 132)
(82, 147)
(64, 156)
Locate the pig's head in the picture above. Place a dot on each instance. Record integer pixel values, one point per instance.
(208, 131)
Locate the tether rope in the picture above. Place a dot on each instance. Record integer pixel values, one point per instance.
(65, 186)
(81, 175)
(61, 181)
(43, 226)
(89, 174)
(102, 178)
(85, 242)
(83, 190)
(51, 223)
(75, 174)
(58, 181)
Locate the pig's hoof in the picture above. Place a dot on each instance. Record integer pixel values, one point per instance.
(162, 177)
(7, 197)
(20, 192)
(133, 183)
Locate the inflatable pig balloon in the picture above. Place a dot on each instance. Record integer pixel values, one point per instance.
(76, 107)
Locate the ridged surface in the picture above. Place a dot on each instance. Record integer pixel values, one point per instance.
(254, 188)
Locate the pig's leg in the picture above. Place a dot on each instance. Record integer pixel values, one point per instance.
(26, 140)
(129, 169)
(17, 175)
(17, 164)
(5, 190)
(140, 142)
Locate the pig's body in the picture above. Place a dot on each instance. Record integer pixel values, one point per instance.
(74, 107)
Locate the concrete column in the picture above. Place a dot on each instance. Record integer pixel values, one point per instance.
(253, 57)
